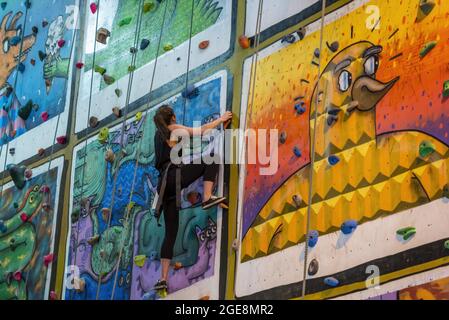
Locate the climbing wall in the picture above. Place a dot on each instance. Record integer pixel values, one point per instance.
(137, 234)
(363, 166)
(28, 221)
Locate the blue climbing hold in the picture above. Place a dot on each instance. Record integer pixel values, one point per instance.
(3, 227)
(14, 41)
(3, 5)
(297, 152)
(312, 238)
(333, 160)
(153, 255)
(27, 4)
(21, 67)
(331, 281)
(300, 108)
(190, 92)
(152, 295)
(290, 38)
(348, 226)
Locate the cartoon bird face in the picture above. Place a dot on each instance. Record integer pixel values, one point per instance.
(349, 81)
(9, 53)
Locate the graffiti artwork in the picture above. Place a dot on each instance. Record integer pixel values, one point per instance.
(28, 219)
(133, 233)
(33, 68)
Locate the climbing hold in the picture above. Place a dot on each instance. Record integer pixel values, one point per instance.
(132, 68)
(148, 6)
(427, 48)
(244, 42)
(290, 38)
(27, 4)
(446, 244)
(297, 201)
(93, 122)
(28, 173)
(333, 46)
(12, 151)
(48, 259)
(80, 284)
(406, 232)
(300, 108)
(177, 266)
(117, 112)
(140, 260)
(348, 226)
(79, 65)
(331, 119)
(41, 152)
(446, 89)
(125, 21)
(190, 92)
(61, 140)
(102, 35)
(17, 276)
(331, 281)
(131, 205)
(313, 267)
(333, 160)
(93, 240)
(44, 23)
(168, 47)
(118, 93)
(316, 53)
(53, 296)
(109, 156)
(139, 116)
(61, 43)
(35, 30)
(44, 116)
(45, 189)
(100, 70)
(25, 111)
(23, 217)
(283, 137)
(105, 213)
(21, 67)
(17, 174)
(426, 148)
(205, 298)
(424, 9)
(144, 44)
(108, 79)
(42, 55)
(297, 152)
(14, 41)
(3, 5)
(312, 238)
(204, 44)
(3, 228)
(301, 33)
(133, 50)
(93, 7)
(15, 205)
(33, 62)
(153, 255)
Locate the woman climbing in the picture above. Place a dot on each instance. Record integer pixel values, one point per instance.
(173, 178)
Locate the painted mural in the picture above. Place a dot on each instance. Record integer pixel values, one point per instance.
(34, 63)
(95, 248)
(28, 218)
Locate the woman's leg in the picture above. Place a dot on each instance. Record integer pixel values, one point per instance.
(171, 218)
(192, 172)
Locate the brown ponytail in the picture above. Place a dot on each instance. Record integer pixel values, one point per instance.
(162, 120)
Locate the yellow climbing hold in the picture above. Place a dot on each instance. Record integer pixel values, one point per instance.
(103, 135)
(148, 6)
(131, 205)
(139, 116)
(168, 47)
(140, 260)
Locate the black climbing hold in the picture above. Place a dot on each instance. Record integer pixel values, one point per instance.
(333, 46)
(313, 267)
(3, 5)
(15, 205)
(25, 111)
(17, 174)
(133, 50)
(190, 92)
(12, 151)
(35, 30)
(75, 217)
(93, 122)
(44, 23)
(283, 137)
(27, 4)
(21, 67)
(144, 44)
(297, 201)
(290, 38)
(42, 55)
(301, 33)
(331, 119)
(316, 53)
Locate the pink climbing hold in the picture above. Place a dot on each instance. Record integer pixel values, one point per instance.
(79, 65)
(44, 116)
(17, 276)
(93, 7)
(45, 189)
(48, 259)
(24, 217)
(28, 173)
(61, 139)
(61, 43)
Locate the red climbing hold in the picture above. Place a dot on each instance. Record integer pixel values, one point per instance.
(93, 7)
(44, 116)
(41, 152)
(79, 65)
(17, 276)
(61, 139)
(45, 189)
(24, 217)
(204, 44)
(53, 296)
(61, 43)
(244, 42)
(48, 259)
(28, 173)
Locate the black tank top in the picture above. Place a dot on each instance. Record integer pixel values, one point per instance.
(162, 151)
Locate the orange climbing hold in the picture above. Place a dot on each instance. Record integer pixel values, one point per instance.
(244, 42)
(204, 44)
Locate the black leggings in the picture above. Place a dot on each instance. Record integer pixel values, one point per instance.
(189, 174)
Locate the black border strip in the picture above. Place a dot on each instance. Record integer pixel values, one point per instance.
(405, 259)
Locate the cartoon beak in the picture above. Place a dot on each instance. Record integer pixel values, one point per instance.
(368, 92)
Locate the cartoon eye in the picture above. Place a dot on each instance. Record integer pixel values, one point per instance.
(6, 45)
(202, 237)
(31, 200)
(214, 229)
(344, 81)
(371, 65)
(208, 233)
(36, 189)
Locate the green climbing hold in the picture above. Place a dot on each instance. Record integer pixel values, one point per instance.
(118, 93)
(168, 47)
(132, 68)
(108, 79)
(103, 135)
(446, 244)
(125, 21)
(426, 148)
(148, 6)
(427, 48)
(446, 89)
(406, 233)
(25, 111)
(140, 260)
(100, 70)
